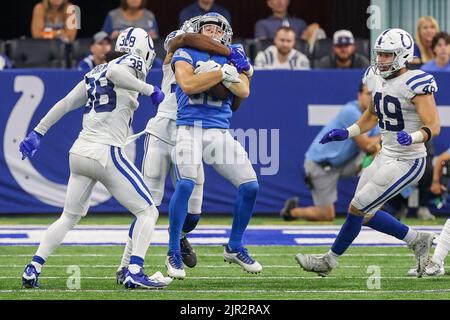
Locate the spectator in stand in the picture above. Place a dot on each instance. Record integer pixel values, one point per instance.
(267, 28)
(200, 7)
(282, 54)
(49, 21)
(131, 13)
(427, 28)
(5, 63)
(441, 50)
(344, 55)
(101, 45)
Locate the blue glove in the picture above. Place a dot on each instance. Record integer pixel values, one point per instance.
(404, 138)
(157, 96)
(334, 135)
(238, 58)
(30, 144)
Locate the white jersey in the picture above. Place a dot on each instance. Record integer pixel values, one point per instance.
(108, 111)
(396, 112)
(163, 124)
(268, 60)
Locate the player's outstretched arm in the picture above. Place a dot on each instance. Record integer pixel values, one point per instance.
(125, 78)
(74, 99)
(428, 114)
(192, 83)
(367, 121)
(199, 42)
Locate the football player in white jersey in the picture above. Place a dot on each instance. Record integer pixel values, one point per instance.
(160, 137)
(406, 112)
(109, 95)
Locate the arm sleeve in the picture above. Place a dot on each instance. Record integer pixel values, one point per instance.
(125, 78)
(74, 99)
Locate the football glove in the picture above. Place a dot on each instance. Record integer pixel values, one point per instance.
(238, 58)
(404, 138)
(157, 96)
(230, 73)
(206, 66)
(334, 135)
(30, 145)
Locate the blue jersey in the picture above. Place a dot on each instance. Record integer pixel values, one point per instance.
(337, 153)
(212, 112)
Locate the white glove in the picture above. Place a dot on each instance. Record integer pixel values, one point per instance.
(206, 66)
(230, 73)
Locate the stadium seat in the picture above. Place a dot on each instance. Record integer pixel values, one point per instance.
(77, 50)
(363, 47)
(37, 53)
(2, 47)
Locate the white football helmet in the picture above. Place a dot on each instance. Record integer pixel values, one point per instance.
(137, 41)
(189, 26)
(400, 44)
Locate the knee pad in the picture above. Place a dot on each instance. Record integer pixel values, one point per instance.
(249, 189)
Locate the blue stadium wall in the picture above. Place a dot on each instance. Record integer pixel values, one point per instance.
(288, 107)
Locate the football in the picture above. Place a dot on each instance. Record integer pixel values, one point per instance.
(219, 91)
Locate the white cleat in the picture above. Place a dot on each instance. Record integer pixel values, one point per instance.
(322, 265)
(175, 268)
(242, 258)
(421, 247)
(434, 269)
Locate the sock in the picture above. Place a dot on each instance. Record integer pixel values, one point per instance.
(333, 256)
(178, 207)
(410, 236)
(443, 245)
(142, 233)
(55, 234)
(136, 263)
(38, 262)
(385, 223)
(243, 211)
(190, 222)
(349, 231)
(126, 254)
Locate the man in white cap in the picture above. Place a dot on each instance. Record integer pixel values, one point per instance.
(344, 55)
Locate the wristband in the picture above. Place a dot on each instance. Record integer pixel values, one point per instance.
(428, 131)
(417, 137)
(353, 130)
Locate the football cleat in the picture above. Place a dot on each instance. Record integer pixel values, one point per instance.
(431, 270)
(174, 264)
(142, 281)
(120, 275)
(421, 247)
(187, 253)
(242, 258)
(290, 204)
(30, 277)
(322, 265)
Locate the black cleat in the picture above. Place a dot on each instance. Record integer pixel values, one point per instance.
(290, 204)
(120, 275)
(187, 253)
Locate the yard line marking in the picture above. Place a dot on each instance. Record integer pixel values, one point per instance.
(254, 278)
(392, 266)
(214, 255)
(226, 291)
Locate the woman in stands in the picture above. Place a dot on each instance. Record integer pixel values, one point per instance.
(53, 19)
(427, 28)
(131, 13)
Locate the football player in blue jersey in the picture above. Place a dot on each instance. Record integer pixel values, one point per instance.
(202, 135)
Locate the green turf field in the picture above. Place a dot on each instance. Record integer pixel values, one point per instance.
(281, 277)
